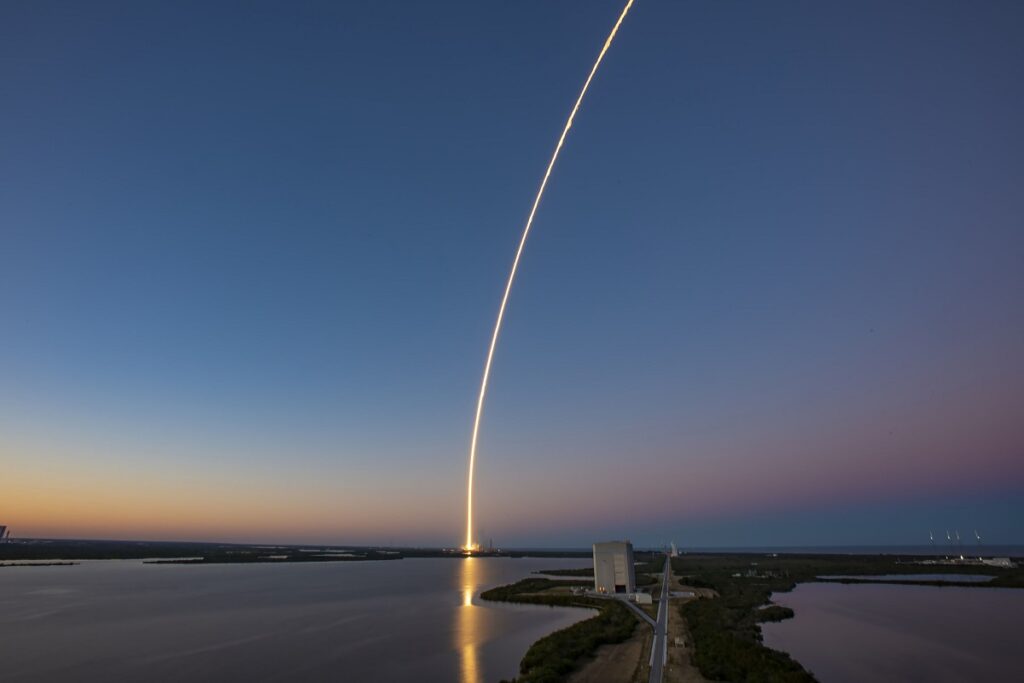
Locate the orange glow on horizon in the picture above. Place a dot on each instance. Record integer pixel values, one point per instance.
(53, 490)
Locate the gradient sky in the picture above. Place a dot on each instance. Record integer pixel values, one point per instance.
(250, 255)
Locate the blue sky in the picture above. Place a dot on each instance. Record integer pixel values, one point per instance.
(251, 255)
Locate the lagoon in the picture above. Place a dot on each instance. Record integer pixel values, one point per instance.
(850, 633)
(404, 620)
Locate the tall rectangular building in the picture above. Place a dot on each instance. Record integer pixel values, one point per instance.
(613, 567)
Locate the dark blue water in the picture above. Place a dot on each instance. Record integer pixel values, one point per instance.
(851, 633)
(408, 620)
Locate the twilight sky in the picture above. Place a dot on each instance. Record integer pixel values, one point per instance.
(250, 255)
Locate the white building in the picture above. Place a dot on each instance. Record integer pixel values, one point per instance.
(613, 567)
(642, 598)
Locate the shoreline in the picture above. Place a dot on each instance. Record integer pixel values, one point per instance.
(828, 615)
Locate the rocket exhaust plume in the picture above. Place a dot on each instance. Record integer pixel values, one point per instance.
(470, 546)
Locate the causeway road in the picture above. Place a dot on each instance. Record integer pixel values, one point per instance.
(659, 649)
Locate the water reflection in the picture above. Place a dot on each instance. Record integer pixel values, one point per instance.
(265, 622)
(468, 622)
(879, 632)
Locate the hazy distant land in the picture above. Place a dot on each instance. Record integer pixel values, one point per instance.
(174, 552)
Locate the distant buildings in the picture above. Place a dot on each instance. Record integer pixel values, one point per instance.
(1002, 562)
(614, 570)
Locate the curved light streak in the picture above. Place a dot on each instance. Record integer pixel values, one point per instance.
(470, 546)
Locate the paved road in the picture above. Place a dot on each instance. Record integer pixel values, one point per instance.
(659, 650)
(640, 613)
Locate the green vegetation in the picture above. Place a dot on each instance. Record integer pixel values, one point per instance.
(587, 572)
(649, 568)
(647, 580)
(1007, 581)
(653, 565)
(726, 650)
(774, 613)
(531, 590)
(694, 581)
(552, 658)
(725, 629)
(727, 639)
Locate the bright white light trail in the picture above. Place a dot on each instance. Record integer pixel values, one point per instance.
(470, 546)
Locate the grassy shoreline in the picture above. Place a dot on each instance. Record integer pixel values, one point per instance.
(726, 629)
(555, 656)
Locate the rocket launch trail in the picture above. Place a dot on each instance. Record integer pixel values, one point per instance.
(470, 546)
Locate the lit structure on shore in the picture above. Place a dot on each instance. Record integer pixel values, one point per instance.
(614, 567)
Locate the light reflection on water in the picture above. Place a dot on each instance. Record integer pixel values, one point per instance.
(468, 623)
(404, 620)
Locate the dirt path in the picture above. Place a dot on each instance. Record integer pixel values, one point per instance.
(619, 663)
(627, 662)
(680, 667)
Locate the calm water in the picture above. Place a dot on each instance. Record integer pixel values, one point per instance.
(407, 620)
(863, 632)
